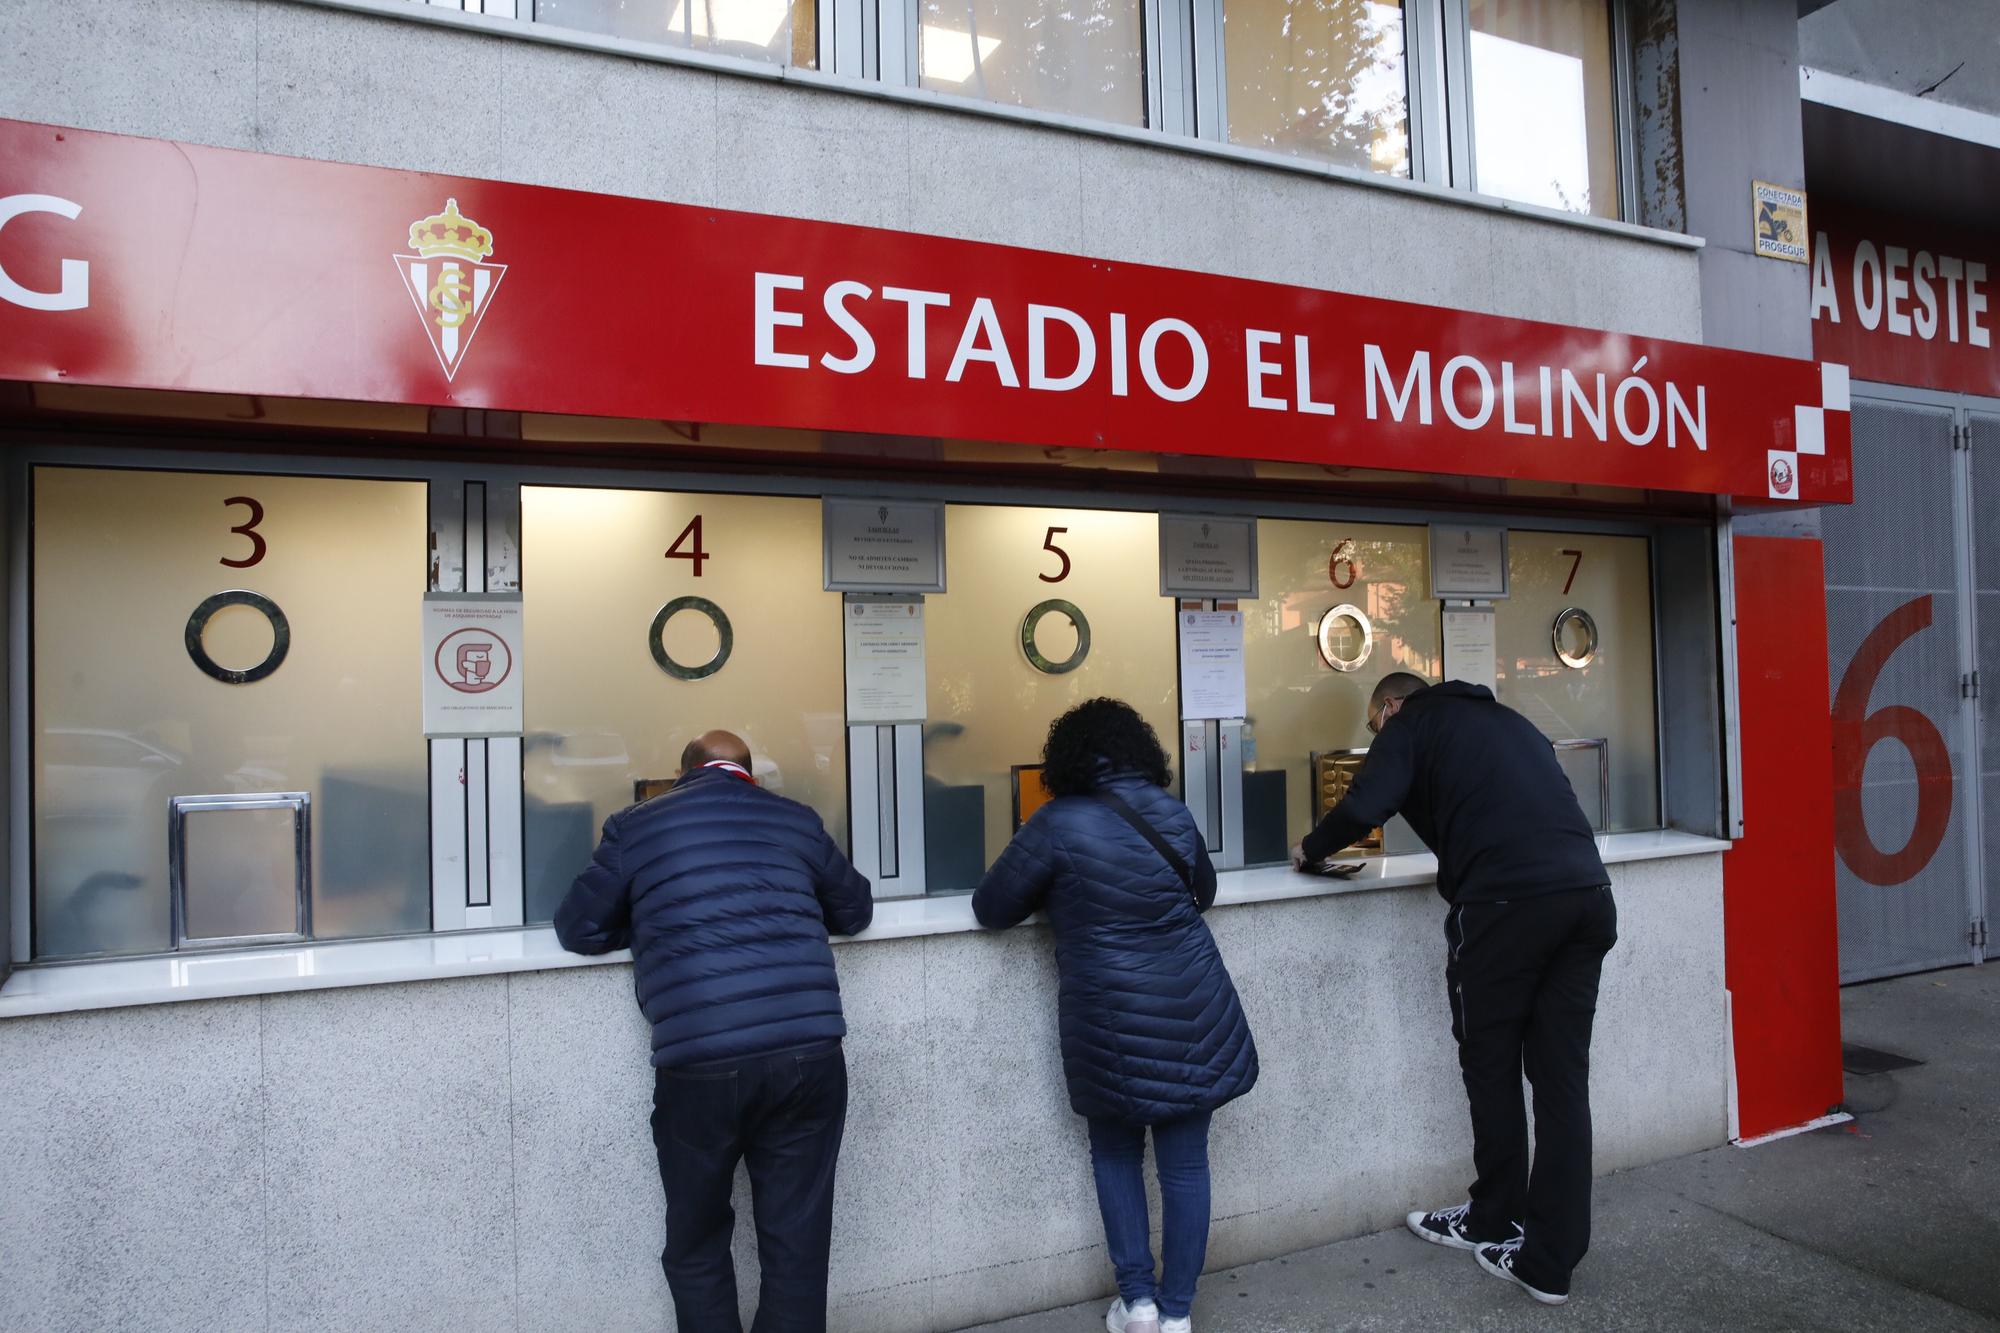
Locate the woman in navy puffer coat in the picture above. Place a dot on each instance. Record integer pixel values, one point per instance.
(1152, 1032)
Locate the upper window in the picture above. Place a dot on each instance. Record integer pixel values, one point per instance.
(1319, 78)
(1542, 103)
(780, 31)
(1079, 57)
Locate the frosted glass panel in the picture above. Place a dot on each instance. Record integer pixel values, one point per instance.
(602, 715)
(124, 720)
(1612, 698)
(1081, 57)
(1297, 703)
(240, 873)
(990, 709)
(1319, 78)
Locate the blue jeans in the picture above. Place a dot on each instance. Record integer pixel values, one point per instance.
(1118, 1159)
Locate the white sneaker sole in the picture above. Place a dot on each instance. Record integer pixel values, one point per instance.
(1497, 1271)
(1112, 1323)
(1415, 1222)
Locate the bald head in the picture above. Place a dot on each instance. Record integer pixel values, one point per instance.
(1395, 685)
(713, 745)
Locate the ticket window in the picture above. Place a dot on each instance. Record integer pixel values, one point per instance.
(1589, 677)
(1086, 582)
(651, 617)
(1367, 586)
(243, 639)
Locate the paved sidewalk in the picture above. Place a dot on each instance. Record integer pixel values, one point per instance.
(1891, 1223)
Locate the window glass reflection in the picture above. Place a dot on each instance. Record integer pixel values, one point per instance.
(124, 720)
(597, 567)
(1297, 704)
(1543, 126)
(1319, 78)
(780, 31)
(1611, 699)
(990, 708)
(1080, 57)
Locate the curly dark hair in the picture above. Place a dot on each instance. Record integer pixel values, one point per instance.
(1100, 736)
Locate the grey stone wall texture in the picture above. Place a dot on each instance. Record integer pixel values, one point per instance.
(475, 1154)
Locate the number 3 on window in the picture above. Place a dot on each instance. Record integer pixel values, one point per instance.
(247, 528)
(1049, 544)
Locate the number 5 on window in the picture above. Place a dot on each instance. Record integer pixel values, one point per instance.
(1049, 544)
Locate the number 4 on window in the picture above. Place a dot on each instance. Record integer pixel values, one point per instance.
(691, 539)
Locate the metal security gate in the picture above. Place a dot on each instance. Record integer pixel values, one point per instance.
(1981, 433)
(1901, 640)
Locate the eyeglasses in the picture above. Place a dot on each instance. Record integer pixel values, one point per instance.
(1375, 726)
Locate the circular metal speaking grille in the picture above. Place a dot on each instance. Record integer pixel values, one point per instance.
(1034, 619)
(725, 638)
(1559, 637)
(197, 626)
(1329, 626)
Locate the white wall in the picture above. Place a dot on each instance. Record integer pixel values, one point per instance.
(290, 77)
(474, 1154)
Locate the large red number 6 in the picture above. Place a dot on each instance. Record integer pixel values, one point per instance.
(694, 554)
(247, 528)
(1049, 544)
(1857, 731)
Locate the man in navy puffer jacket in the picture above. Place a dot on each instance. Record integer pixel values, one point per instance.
(725, 893)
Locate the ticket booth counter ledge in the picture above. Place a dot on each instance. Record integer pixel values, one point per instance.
(334, 642)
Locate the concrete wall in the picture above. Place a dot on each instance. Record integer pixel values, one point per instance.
(474, 1154)
(1739, 66)
(283, 76)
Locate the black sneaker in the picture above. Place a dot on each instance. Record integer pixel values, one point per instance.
(1446, 1226)
(1499, 1261)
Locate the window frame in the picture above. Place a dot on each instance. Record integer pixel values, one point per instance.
(448, 475)
(1422, 85)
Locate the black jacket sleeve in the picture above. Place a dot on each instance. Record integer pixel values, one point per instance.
(846, 901)
(596, 913)
(1379, 790)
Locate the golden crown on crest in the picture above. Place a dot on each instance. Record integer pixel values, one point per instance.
(451, 233)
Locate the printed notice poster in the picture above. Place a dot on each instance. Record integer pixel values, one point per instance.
(883, 545)
(1467, 563)
(1471, 646)
(1206, 556)
(885, 659)
(472, 664)
(1211, 664)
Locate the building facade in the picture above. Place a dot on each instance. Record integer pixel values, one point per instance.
(421, 422)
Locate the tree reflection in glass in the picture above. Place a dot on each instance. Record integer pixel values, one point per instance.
(1319, 78)
(1079, 57)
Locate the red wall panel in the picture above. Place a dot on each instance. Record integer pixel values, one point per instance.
(1781, 943)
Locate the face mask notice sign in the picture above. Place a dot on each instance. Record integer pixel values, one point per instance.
(471, 664)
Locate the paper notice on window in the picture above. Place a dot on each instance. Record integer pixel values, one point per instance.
(1211, 664)
(1468, 563)
(885, 659)
(471, 666)
(1471, 649)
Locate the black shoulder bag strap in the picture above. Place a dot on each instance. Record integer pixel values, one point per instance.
(1146, 831)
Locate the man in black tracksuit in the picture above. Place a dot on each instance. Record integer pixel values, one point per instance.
(1530, 922)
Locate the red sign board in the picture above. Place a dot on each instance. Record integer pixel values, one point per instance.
(1903, 302)
(143, 263)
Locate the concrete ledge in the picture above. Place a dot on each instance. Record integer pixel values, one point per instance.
(111, 983)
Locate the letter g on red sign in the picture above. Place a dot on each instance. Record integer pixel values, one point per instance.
(1856, 732)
